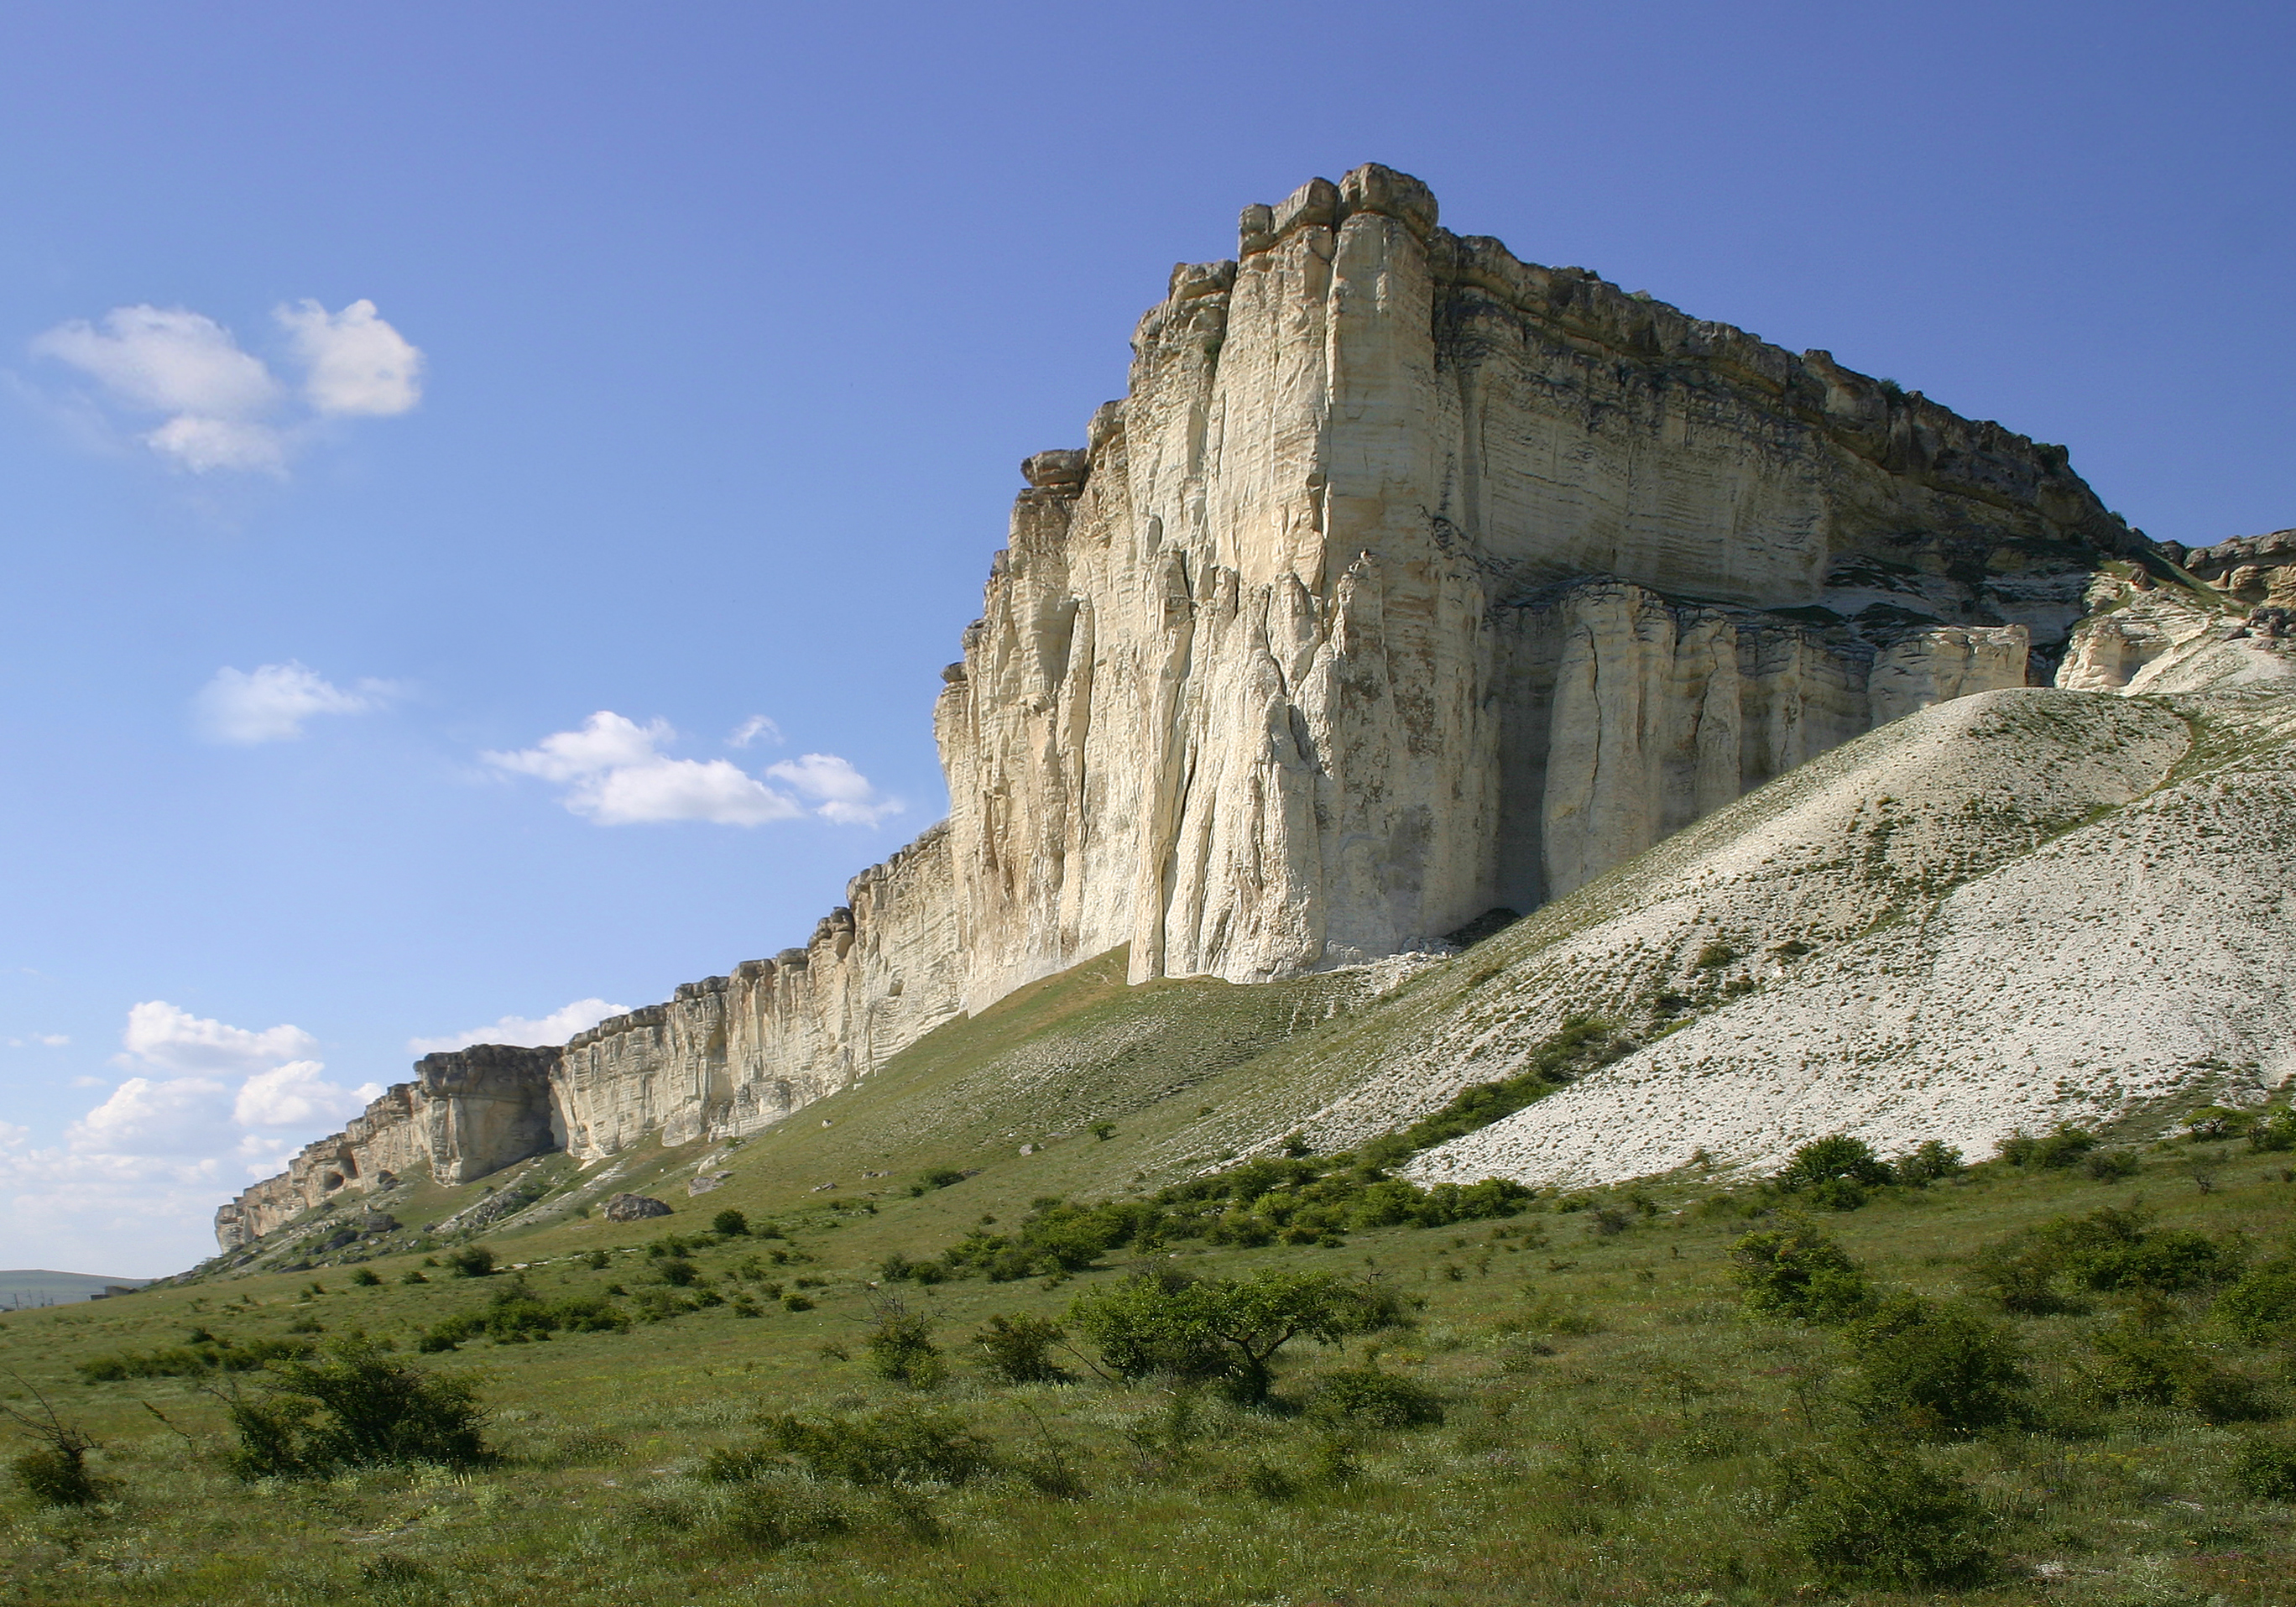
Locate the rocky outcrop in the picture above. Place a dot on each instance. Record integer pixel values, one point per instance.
(466, 1114)
(1255, 662)
(1409, 581)
(2260, 570)
(733, 1054)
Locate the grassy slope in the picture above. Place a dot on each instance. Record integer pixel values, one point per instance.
(1615, 1467)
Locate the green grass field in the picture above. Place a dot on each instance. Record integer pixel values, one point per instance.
(1615, 1425)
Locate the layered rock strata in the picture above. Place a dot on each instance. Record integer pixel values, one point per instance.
(1408, 580)
(467, 1113)
(1261, 665)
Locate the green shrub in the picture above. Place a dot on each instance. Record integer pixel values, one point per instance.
(731, 1223)
(1796, 1272)
(768, 1514)
(203, 1355)
(900, 1346)
(2275, 1129)
(897, 1445)
(2146, 1358)
(56, 1473)
(2113, 1166)
(1838, 1159)
(364, 1278)
(470, 1262)
(2020, 1275)
(2265, 1469)
(1017, 1349)
(1224, 1330)
(354, 1407)
(2260, 1306)
(2212, 1123)
(2111, 1249)
(1873, 1514)
(1929, 1161)
(516, 1313)
(1379, 1399)
(1936, 1370)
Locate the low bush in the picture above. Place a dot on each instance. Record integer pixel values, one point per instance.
(1018, 1349)
(1929, 1161)
(2062, 1147)
(515, 1313)
(1873, 1513)
(2265, 1469)
(55, 1472)
(900, 1346)
(2260, 1306)
(1936, 1370)
(2113, 1166)
(355, 1406)
(2147, 1358)
(730, 1224)
(470, 1262)
(2273, 1130)
(767, 1514)
(1379, 1400)
(1839, 1159)
(202, 1354)
(1797, 1273)
(897, 1446)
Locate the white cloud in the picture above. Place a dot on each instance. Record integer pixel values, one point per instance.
(160, 1035)
(358, 364)
(615, 774)
(295, 1096)
(46, 1040)
(755, 728)
(171, 360)
(270, 703)
(223, 408)
(532, 1031)
(166, 360)
(843, 793)
(132, 1185)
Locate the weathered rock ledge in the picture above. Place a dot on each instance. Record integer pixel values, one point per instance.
(1408, 580)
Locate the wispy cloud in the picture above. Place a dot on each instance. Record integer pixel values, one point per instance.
(219, 407)
(839, 791)
(270, 703)
(530, 1031)
(615, 772)
(755, 729)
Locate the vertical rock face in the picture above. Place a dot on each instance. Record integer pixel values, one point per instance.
(733, 1054)
(1408, 580)
(467, 1113)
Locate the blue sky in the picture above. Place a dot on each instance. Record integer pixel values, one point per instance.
(382, 390)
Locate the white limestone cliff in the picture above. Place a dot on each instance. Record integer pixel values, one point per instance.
(1409, 581)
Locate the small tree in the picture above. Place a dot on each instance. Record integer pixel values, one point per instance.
(1222, 1330)
(1797, 1272)
(355, 1406)
(731, 1223)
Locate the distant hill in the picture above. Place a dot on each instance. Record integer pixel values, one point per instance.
(32, 1286)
